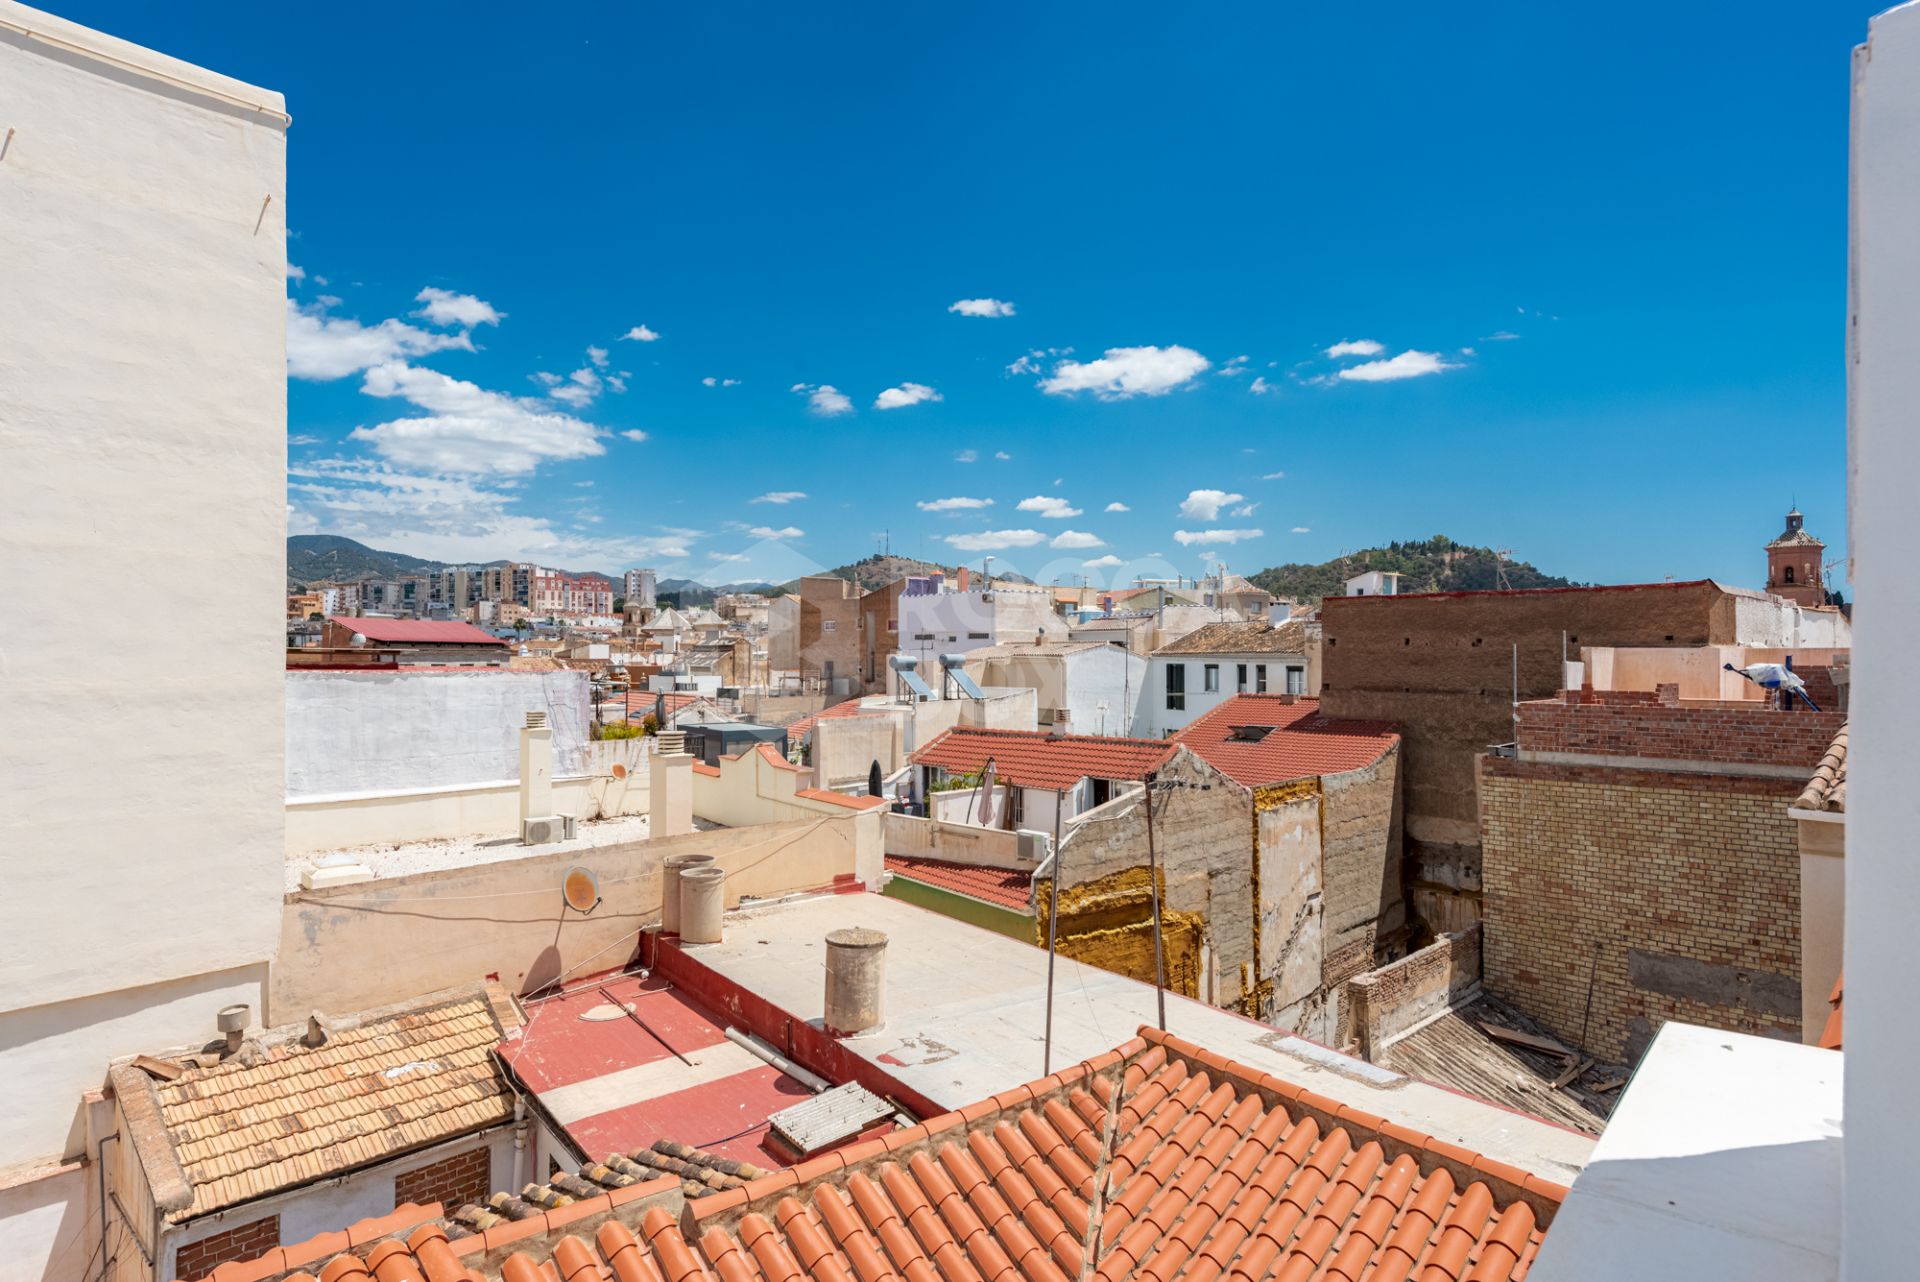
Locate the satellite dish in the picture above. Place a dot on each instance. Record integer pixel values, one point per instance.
(581, 890)
(619, 770)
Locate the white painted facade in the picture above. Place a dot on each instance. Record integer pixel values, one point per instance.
(1374, 583)
(142, 406)
(958, 622)
(1079, 687)
(1883, 806)
(1205, 681)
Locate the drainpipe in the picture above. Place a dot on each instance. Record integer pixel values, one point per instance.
(522, 1151)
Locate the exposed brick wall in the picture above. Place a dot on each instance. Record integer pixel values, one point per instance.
(1380, 1005)
(452, 1181)
(1442, 667)
(1641, 724)
(241, 1242)
(1360, 855)
(1678, 893)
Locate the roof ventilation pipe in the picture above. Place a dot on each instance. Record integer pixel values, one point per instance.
(232, 1023)
(856, 981)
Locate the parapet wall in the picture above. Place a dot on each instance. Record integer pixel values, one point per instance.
(1378, 1007)
(1743, 737)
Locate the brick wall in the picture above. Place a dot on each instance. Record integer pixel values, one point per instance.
(1360, 854)
(1677, 895)
(1382, 1004)
(452, 1181)
(1649, 725)
(241, 1242)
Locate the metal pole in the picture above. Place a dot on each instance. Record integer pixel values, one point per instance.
(1053, 923)
(1516, 691)
(1153, 875)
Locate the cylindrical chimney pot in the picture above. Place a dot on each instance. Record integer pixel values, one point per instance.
(703, 894)
(856, 981)
(670, 888)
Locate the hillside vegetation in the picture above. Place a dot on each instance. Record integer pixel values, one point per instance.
(1437, 564)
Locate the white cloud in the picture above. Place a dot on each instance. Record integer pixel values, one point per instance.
(1190, 537)
(1274, 476)
(1003, 456)
(906, 394)
(1205, 505)
(304, 439)
(1050, 507)
(1125, 372)
(995, 540)
(768, 532)
(322, 347)
(1301, 529)
(982, 307)
(1245, 509)
(1076, 539)
(444, 307)
(967, 456)
(296, 273)
(1355, 347)
(1501, 336)
(1233, 368)
(724, 557)
(957, 504)
(1102, 562)
(1118, 507)
(634, 434)
(1405, 365)
(468, 429)
(598, 355)
(583, 485)
(579, 389)
(457, 519)
(711, 381)
(1260, 386)
(780, 497)
(640, 334)
(825, 400)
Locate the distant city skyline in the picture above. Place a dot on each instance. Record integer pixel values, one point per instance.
(1094, 306)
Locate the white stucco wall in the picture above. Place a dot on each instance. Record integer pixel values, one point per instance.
(1770, 621)
(142, 413)
(1156, 719)
(376, 732)
(1883, 806)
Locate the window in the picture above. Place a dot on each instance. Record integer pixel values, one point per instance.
(1240, 678)
(829, 625)
(1260, 678)
(1176, 687)
(1296, 680)
(893, 625)
(976, 636)
(1788, 575)
(1210, 678)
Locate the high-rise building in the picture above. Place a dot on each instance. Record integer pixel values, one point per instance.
(641, 588)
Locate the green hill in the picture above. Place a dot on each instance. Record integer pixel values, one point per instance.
(1437, 564)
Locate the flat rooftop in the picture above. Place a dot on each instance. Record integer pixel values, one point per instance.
(966, 1008)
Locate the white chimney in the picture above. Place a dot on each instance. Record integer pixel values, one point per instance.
(536, 767)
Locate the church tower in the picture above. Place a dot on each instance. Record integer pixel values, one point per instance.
(1793, 564)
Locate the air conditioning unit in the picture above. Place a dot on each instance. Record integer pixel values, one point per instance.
(540, 830)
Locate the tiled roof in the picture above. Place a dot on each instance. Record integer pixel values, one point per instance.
(240, 1130)
(1827, 790)
(1036, 759)
(1256, 637)
(852, 801)
(1831, 1035)
(1158, 1161)
(1301, 743)
(418, 631)
(1007, 887)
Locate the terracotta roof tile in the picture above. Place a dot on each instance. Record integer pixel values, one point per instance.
(419, 631)
(1007, 887)
(797, 730)
(1827, 790)
(1299, 743)
(242, 1130)
(1036, 759)
(1256, 637)
(1204, 1175)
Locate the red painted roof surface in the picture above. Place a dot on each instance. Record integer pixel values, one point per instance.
(798, 729)
(725, 1114)
(1036, 759)
(1210, 1171)
(1302, 743)
(1830, 1035)
(849, 800)
(418, 631)
(1007, 887)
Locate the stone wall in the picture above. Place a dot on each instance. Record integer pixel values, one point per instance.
(1674, 896)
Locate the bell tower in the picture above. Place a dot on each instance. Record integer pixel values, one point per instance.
(1793, 564)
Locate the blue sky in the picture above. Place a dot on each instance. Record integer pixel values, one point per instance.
(1602, 249)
